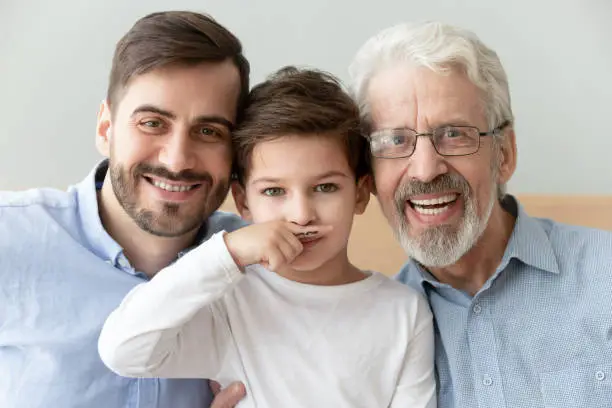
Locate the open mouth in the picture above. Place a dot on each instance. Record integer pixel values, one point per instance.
(170, 187)
(434, 206)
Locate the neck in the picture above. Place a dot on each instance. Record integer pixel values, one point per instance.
(337, 271)
(475, 267)
(146, 252)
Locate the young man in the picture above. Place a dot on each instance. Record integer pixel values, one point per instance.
(177, 83)
(278, 305)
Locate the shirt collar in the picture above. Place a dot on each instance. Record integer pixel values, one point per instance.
(529, 243)
(102, 244)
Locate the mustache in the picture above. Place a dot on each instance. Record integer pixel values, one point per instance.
(184, 175)
(442, 183)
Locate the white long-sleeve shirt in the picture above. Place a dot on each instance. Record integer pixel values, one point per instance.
(365, 344)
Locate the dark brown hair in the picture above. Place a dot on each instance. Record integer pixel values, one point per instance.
(296, 101)
(174, 37)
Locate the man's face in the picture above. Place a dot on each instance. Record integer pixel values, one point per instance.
(169, 147)
(438, 206)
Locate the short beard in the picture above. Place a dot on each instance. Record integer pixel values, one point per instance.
(441, 245)
(167, 222)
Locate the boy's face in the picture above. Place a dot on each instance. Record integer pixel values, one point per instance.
(307, 180)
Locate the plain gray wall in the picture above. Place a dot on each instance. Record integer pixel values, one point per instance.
(55, 57)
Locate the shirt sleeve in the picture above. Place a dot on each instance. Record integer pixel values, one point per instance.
(174, 326)
(416, 386)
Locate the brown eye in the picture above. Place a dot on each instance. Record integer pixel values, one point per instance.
(210, 134)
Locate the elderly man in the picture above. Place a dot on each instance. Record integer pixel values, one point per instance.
(68, 258)
(522, 306)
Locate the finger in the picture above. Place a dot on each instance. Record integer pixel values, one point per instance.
(214, 386)
(275, 259)
(289, 246)
(230, 396)
(294, 242)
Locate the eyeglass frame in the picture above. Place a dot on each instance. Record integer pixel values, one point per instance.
(493, 132)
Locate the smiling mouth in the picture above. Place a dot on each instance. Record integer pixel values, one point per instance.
(173, 188)
(434, 206)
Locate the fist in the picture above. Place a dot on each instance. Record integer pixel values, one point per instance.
(272, 244)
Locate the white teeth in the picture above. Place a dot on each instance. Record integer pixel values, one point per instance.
(431, 211)
(433, 201)
(170, 187)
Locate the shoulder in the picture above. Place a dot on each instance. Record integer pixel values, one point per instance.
(572, 241)
(32, 207)
(397, 293)
(41, 197)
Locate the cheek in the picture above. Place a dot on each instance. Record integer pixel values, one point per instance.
(387, 176)
(337, 209)
(130, 147)
(480, 177)
(216, 160)
(264, 209)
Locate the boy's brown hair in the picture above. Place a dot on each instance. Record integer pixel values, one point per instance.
(174, 38)
(297, 101)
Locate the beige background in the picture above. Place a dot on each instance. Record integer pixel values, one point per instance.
(372, 245)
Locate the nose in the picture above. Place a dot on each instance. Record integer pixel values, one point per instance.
(300, 210)
(425, 164)
(177, 153)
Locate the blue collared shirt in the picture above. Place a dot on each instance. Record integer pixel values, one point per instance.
(538, 333)
(61, 274)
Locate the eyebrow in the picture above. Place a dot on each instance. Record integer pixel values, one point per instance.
(332, 173)
(170, 115)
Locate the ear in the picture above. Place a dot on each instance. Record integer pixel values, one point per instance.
(364, 187)
(240, 200)
(372, 183)
(507, 156)
(104, 129)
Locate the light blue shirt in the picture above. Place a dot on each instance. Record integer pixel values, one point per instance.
(61, 274)
(539, 332)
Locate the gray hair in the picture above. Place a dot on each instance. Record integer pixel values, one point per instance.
(440, 47)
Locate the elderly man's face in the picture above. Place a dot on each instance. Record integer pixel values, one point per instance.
(438, 206)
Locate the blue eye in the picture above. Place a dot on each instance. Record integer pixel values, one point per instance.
(397, 139)
(452, 132)
(152, 123)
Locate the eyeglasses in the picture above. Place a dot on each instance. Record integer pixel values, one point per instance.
(447, 140)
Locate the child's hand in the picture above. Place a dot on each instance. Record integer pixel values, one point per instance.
(272, 244)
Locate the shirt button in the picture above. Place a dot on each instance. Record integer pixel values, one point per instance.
(477, 308)
(486, 380)
(600, 375)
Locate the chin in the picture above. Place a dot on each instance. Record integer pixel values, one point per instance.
(305, 266)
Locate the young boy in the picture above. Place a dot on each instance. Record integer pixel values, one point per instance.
(277, 304)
